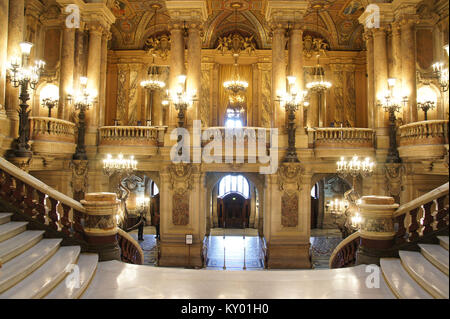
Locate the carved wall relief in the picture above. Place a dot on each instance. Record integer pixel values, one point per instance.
(79, 178)
(122, 92)
(266, 87)
(290, 173)
(133, 96)
(289, 209)
(338, 89)
(394, 179)
(205, 98)
(158, 46)
(350, 99)
(180, 210)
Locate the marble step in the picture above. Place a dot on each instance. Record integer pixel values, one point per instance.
(443, 241)
(21, 266)
(437, 255)
(44, 279)
(87, 265)
(400, 282)
(5, 218)
(11, 229)
(434, 281)
(18, 244)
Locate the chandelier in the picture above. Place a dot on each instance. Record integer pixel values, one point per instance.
(355, 167)
(338, 206)
(153, 82)
(119, 165)
(318, 82)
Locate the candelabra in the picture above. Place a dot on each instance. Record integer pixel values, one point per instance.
(82, 100)
(426, 100)
(441, 74)
(291, 101)
(49, 98)
(24, 76)
(354, 168)
(391, 104)
(182, 99)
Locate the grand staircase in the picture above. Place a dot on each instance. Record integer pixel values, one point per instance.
(421, 274)
(35, 267)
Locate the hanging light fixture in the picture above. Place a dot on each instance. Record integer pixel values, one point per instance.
(235, 85)
(318, 82)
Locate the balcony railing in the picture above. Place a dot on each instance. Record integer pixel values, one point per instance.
(144, 140)
(52, 136)
(342, 140)
(425, 139)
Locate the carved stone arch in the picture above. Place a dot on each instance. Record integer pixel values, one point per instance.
(331, 28)
(147, 29)
(354, 37)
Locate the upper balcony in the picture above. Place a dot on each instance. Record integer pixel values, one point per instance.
(425, 139)
(330, 142)
(138, 140)
(52, 137)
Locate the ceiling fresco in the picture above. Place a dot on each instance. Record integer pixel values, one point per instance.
(337, 24)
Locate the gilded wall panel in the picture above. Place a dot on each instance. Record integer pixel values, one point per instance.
(266, 88)
(122, 93)
(133, 96)
(205, 95)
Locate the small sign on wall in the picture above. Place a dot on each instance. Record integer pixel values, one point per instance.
(188, 239)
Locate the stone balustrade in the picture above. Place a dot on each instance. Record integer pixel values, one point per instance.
(341, 141)
(139, 140)
(52, 136)
(425, 139)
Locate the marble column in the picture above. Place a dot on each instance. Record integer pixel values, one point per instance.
(380, 74)
(194, 69)
(397, 57)
(278, 74)
(296, 67)
(80, 60)
(408, 47)
(4, 5)
(176, 65)
(16, 24)
(103, 68)
(66, 71)
(94, 69)
(371, 108)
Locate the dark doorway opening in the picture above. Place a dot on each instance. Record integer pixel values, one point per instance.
(233, 211)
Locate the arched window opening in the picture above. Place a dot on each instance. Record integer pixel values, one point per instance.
(234, 183)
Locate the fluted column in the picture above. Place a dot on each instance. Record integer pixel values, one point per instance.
(4, 8)
(296, 67)
(278, 73)
(66, 73)
(408, 47)
(194, 68)
(371, 108)
(106, 36)
(15, 36)
(380, 74)
(176, 64)
(94, 69)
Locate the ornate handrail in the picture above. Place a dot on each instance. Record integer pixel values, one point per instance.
(130, 251)
(344, 255)
(41, 202)
(423, 132)
(48, 128)
(422, 216)
(343, 135)
(247, 131)
(139, 135)
(413, 221)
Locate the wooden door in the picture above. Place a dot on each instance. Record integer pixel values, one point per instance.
(235, 211)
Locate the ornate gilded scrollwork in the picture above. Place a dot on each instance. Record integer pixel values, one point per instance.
(236, 44)
(314, 46)
(290, 173)
(158, 46)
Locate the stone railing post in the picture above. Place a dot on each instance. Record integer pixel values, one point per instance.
(377, 229)
(100, 225)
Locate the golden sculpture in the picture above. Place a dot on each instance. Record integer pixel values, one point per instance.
(158, 46)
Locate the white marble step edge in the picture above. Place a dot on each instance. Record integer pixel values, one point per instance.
(400, 282)
(87, 266)
(434, 281)
(46, 277)
(18, 244)
(21, 266)
(11, 229)
(5, 218)
(443, 241)
(437, 255)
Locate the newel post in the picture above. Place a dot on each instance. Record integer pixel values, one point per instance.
(377, 229)
(100, 225)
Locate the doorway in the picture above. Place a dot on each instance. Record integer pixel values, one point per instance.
(234, 211)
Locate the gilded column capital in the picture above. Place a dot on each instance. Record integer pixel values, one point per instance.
(95, 28)
(408, 20)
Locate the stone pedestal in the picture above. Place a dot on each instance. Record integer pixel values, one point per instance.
(100, 225)
(377, 229)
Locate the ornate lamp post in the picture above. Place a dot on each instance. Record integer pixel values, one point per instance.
(291, 101)
(392, 104)
(24, 76)
(83, 100)
(441, 74)
(49, 98)
(426, 100)
(182, 99)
